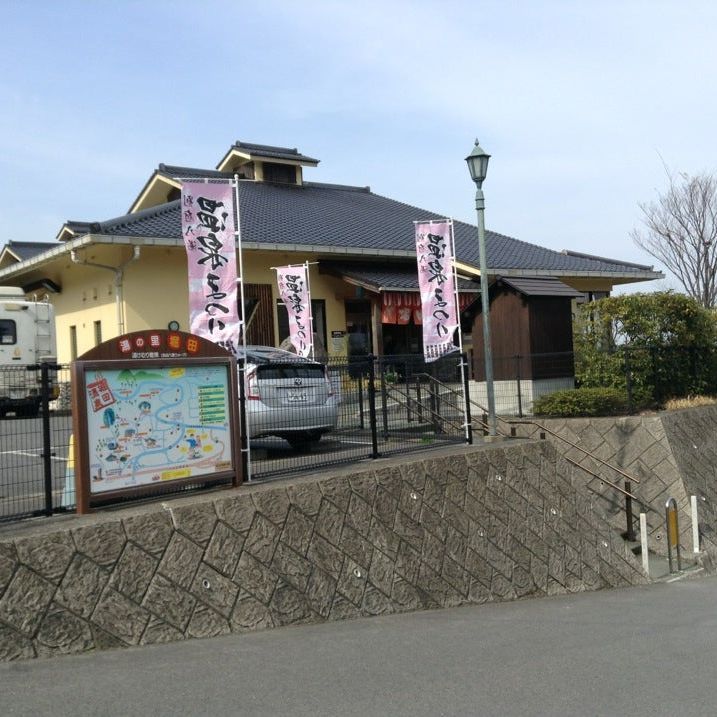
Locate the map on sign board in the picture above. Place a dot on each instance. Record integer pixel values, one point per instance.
(155, 424)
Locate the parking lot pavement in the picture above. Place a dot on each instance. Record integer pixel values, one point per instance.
(22, 488)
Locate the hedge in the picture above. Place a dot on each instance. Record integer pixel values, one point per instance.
(582, 402)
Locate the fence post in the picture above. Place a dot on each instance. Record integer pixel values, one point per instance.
(673, 532)
(407, 382)
(433, 400)
(628, 379)
(244, 440)
(643, 544)
(419, 399)
(630, 533)
(384, 397)
(362, 422)
(695, 525)
(466, 398)
(655, 376)
(46, 438)
(517, 379)
(372, 404)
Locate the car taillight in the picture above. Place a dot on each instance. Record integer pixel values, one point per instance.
(329, 387)
(252, 386)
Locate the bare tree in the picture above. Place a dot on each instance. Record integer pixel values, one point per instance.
(680, 230)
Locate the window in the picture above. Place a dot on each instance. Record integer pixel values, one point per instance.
(8, 332)
(318, 312)
(98, 333)
(73, 342)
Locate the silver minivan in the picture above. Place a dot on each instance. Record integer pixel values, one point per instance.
(288, 396)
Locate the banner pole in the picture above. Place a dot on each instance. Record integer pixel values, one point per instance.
(311, 310)
(464, 383)
(237, 234)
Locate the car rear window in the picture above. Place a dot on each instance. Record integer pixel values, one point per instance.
(289, 370)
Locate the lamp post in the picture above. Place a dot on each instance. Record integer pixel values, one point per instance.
(478, 167)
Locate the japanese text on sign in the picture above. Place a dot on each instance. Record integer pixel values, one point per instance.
(208, 231)
(436, 280)
(294, 292)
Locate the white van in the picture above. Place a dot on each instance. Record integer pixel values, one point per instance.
(27, 338)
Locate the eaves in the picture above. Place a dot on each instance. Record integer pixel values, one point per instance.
(92, 239)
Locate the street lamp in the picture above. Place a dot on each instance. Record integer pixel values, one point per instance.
(477, 162)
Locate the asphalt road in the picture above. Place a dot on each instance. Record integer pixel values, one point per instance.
(639, 651)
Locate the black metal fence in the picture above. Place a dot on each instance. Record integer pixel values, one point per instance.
(648, 376)
(299, 419)
(378, 406)
(34, 442)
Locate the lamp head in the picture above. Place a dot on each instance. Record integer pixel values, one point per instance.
(477, 162)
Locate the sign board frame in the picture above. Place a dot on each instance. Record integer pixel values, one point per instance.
(146, 350)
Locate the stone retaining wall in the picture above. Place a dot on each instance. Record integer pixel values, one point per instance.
(672, 454)
(470, 526)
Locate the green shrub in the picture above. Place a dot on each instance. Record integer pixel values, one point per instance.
(656, 346)
(582, 402)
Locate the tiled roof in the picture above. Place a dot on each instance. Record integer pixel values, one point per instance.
(399, 277)
(353, 221)
(540, 286)
(359, 221)
(27, 249)
(176, 172)
(267, 150)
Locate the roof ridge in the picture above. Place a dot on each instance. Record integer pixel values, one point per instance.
(128, 218)
(331, 185)
(594, 257)
(255, 145)
(173, 169)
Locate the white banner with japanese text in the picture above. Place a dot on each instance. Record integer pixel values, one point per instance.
(208, 228)
(436, 281)
(294, 291)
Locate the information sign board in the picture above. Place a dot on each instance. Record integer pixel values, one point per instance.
(153, 410)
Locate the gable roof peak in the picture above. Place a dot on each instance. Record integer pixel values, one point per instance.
(266, 152)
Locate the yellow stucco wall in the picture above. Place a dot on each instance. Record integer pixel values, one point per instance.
(155, 293)
(88, 295)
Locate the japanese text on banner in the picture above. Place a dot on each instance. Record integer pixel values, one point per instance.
(436, 280)
(294, 292)
(208, 227)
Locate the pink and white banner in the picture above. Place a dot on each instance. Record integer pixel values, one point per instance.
(294, 292)
(208, 228)
(436, 281)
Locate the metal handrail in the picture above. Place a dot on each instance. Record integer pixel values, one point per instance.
(540, 426)
(391, 391)
(625, 475)
(626, 493)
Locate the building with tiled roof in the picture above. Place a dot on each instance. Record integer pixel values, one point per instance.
(129, 273)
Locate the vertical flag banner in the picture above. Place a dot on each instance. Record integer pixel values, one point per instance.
(208, 228)
(294, 292)
(436, 280)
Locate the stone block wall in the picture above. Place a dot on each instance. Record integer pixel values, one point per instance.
(672, 454)
(469, 526)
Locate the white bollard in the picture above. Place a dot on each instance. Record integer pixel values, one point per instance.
(695, 526)
(643, 543)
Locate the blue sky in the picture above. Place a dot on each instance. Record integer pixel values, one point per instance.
(579, 103)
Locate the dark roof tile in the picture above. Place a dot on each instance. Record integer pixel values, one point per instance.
(27, 249)
(393, 277)
(359, 221)
(267, 150)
